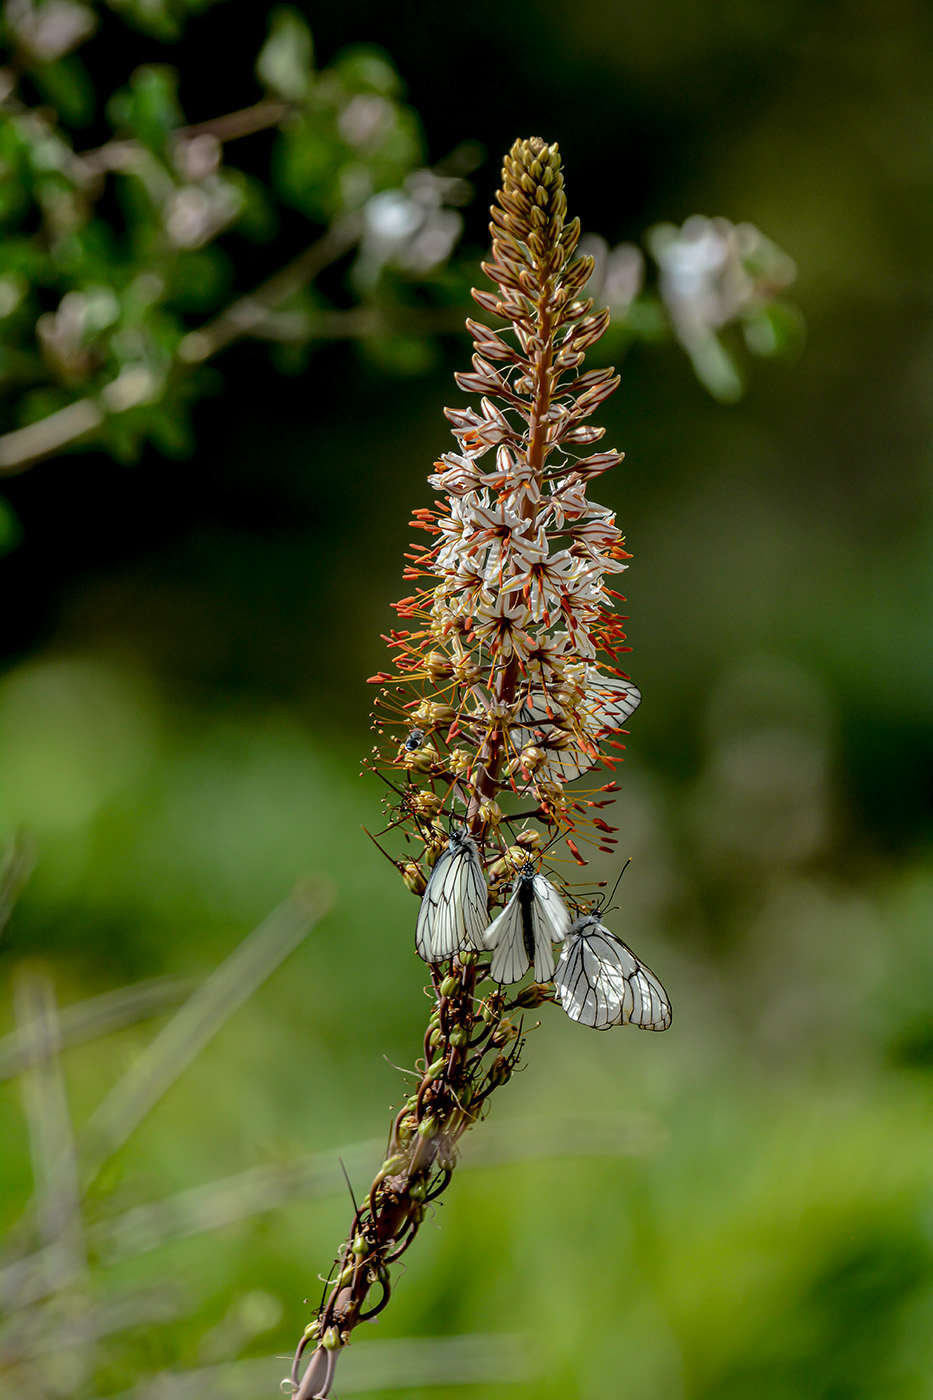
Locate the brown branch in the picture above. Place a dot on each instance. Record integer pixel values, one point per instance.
(119, 153)
(249, 311)
(78, 421)
(24, 447)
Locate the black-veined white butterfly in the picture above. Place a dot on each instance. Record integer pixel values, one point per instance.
(606, 705)
(454, 906)
(522, 934)
(601, 983)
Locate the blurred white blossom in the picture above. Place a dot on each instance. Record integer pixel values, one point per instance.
(618, 276)
(412, 228)
(51, 30)
(714, 274)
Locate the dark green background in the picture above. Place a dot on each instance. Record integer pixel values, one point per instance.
(183, 712)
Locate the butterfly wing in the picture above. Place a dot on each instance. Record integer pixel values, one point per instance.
(453, 909)
(474, 899)
(589, 984)
(431, 913)
(610, 701)
(602, 983)
(607, 703)
(550, 924)
(651, 1009)
(505, 936)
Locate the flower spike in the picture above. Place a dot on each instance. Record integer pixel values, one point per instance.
(504, 688)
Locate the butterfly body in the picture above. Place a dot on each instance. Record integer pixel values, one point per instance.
(454, 906)
(601, 983)
(522, 934)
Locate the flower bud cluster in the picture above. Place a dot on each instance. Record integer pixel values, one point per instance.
(508, 683)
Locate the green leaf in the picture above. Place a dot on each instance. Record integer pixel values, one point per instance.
(306, 168)
(362, 68)
(11, 532)
(148, 109)
(67, 86)
(776, 330)
(401, 355)
(163, 19)
(258, 218)
(285, 65)
(716, 368)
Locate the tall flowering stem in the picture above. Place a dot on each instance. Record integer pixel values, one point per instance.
(505, 687)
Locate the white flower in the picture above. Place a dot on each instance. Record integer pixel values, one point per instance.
(456, 475)
(567, 501)
(542, 581)
(507, 536)
(467, 589)
(503, 628)
(457, 529)
(592, 542)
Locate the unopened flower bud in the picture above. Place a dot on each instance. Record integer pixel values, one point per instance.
(420, 760)
(531, 758)
(438, 665)
(490, 812)
(450, 985)
(459, 761)
(414, 879)
(432, 851)
(532, 996)
(504, 1032)
(427, 1128)
(467, 671)
(459, 1035)
(500, 1071)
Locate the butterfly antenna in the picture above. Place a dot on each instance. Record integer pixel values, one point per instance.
(379, 848)
(616, 885)
(346, 1177)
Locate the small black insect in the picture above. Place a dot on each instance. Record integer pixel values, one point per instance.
(414, 740)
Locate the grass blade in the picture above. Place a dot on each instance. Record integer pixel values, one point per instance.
(196, 1023)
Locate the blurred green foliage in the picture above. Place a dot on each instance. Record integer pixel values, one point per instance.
(122, 266)
(740, 1208)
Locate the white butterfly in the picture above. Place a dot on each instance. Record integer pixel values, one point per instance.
(606, 705)
(533, 919)
(454, 906)
(601, 983)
